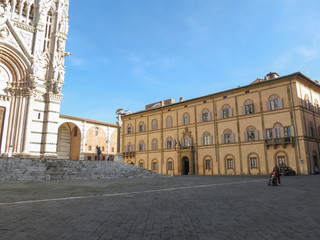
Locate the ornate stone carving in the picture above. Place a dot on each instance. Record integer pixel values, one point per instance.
(4, 33)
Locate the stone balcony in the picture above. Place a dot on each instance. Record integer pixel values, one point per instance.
(275, 142)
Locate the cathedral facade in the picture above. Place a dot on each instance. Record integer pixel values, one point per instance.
(245, 130)
(33, 35)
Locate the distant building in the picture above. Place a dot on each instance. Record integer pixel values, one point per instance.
(246, 130)
(32, 52)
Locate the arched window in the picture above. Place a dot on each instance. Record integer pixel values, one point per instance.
(311, 130)
(141, 127)
(274, 103)
(154, 144)
(206, 139)
(154, 124)
(307, 102)
(205, 115)
(277, 131)
(169, 143)
(186, 119)
(169, 122)
(316, 105)
(253, 161)
(142, 146)
(228, 136)
(129, 147)
(248, 107)
(141, 164)
(170, 164)
(315, 159)
(251, 134)
(229, 162)
(129, 129)
(226, 111)
(154, 165)
(207, 162)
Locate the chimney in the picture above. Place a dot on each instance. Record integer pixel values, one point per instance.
(271, 75)
(181, 99)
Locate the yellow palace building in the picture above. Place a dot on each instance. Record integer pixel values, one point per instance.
(245, 130)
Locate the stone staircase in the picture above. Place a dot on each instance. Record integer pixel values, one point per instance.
(29, 169)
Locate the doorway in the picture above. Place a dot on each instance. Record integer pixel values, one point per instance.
(185, 166)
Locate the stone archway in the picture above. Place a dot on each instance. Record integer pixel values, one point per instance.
(69, 141)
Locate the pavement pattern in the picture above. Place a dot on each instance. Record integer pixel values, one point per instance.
(181, 207)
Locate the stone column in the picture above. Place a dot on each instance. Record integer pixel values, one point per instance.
(28, 125)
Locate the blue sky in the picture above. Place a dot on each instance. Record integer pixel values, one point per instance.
(130, 53)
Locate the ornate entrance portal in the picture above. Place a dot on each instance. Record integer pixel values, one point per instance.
(185, 166)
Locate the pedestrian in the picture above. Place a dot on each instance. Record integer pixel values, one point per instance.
(98, 151)
(316, 170)
(277, 172)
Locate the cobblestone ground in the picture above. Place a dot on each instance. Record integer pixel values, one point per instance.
(184, 207)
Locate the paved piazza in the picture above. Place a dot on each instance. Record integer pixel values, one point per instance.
(184, 207)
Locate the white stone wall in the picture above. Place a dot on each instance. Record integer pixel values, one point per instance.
(32, 73)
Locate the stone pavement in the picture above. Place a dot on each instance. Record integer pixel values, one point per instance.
(183, 207)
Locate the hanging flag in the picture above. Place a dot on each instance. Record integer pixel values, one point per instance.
(175, 144)
(179, 143)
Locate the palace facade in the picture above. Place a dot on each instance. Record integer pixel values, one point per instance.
(33, 35)
(245, 130)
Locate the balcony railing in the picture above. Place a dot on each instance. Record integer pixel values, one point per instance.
(284, 141)
(128, 154)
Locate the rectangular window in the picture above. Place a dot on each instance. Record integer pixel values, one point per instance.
(89, 158)
(154, 166)
(102, 149)
(274, 104)
(287, 131)
(253, 161)
(269, 133)
(249, 109)
(75, 132)
(208, 164)
(205, 117)
(281, 160)
(206, 140)
(141, 147)
(129, 130)
(141, 128)
(187, 142)
(225, 113)
(311, 131)
(229, 163)
(141, 165)
(227, 138)
(89, 148)
(170, 166)
(251, 136)
(169, 144)
(154, 146)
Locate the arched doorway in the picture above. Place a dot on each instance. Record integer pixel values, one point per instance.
(185, 166)
(69, 141)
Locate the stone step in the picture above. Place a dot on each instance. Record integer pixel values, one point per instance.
(16, 169)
